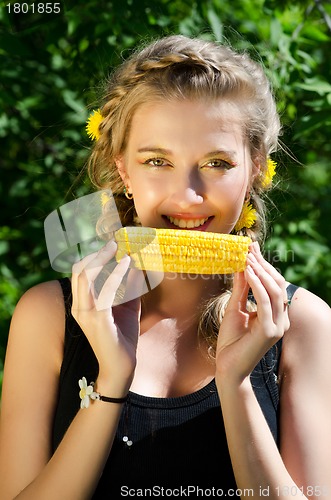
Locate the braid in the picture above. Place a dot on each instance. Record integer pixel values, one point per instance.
(177, 67)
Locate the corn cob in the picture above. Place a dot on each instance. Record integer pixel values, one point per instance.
(182, 250)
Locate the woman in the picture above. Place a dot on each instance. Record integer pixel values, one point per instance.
(229, 401)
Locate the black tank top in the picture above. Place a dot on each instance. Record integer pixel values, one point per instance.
(169, 443)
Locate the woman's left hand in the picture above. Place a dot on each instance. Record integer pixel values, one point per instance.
(244, 337)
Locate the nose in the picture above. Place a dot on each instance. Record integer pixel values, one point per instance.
(187, 192)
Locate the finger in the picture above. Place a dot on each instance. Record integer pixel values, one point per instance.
(135, 285)
(107, 294)
(85, 273)
(268, 291)
(77, 268)
(255, 250)
(273, 317)
(239, 294)
(261, 297)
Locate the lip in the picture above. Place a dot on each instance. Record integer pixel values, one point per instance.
(188, 217)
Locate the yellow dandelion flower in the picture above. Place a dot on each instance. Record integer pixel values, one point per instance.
(247, 217)
(104, 198)
(92, 124)
(269, 174)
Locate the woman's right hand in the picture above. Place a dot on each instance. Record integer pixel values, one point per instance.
(112, 331)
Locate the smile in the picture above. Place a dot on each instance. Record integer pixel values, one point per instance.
(187, 223)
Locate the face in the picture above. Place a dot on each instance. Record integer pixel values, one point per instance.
(187, 165)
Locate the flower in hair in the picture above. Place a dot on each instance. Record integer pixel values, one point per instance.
(86, 393)
(104, 198)
(247, 217)
(269, 173)
(92, 124)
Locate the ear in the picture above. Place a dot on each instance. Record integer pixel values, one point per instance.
(256, 167)
(121, 167)
(255, 171)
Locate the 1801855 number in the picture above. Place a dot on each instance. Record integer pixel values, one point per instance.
(34, 8)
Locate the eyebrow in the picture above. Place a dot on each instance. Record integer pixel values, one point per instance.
(151, 149)
(163, 151)
(231, 154)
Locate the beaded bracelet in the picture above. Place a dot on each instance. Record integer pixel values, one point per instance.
(86, 393)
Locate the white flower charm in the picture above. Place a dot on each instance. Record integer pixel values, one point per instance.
(86, 393)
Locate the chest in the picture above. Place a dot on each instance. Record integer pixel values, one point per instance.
(170, 363)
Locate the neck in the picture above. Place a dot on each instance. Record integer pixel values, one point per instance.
(181, 295)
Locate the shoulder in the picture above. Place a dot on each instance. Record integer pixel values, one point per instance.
(309, 335)
(39, 317)
(46, 291)
(309, 317)
(41, 302)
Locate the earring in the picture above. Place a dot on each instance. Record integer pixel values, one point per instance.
(247, 217)
(128, 195)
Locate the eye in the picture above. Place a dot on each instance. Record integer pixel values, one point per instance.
(156, 162)
(220, 164)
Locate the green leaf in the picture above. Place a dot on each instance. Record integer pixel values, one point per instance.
(315, 85)
(70, 98)
(215, 23)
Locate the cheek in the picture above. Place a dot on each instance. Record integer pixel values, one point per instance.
(149, 190)
(146, 200)
(231, 189)
(230, 205)
(229, 196)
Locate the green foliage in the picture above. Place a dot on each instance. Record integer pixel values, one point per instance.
(51, 68)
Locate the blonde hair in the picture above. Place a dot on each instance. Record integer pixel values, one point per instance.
(178, 67)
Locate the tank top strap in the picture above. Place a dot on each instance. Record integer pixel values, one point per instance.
(73, 333)
(67, 294)
(291, 289)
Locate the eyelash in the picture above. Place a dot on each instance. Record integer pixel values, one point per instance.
(150, 160)
(224, 164)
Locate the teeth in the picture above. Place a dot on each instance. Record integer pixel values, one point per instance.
(188, 224)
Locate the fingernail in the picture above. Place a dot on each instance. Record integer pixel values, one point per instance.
(256, 247)
(125, 261)
(126, 257)
(111, 245)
